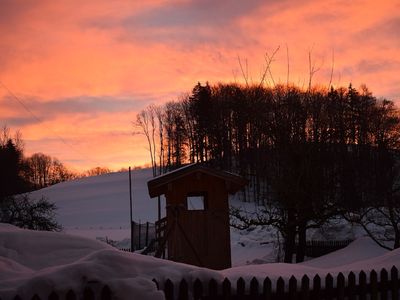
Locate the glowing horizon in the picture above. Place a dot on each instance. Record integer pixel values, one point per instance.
(86, 68)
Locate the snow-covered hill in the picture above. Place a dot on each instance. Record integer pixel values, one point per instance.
(102, 201)
(98, 207)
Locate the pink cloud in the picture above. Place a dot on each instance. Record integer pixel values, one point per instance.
(84, 61)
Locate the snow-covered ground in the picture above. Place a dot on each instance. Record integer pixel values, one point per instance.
(98, 207)
(95, 207)
(41, 262)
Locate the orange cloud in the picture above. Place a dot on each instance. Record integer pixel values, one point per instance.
(84, 68)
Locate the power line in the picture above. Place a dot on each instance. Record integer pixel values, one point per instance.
(13, 96)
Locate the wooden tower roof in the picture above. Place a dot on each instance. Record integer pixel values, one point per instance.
(158, 185)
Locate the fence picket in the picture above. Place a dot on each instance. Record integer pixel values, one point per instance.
(292, 288)
(254, 288)
(305, 288)
(183, 293)
(156, 283)
(240, 287)
(362, 285)
(394, 282)
(70, 295)
(340, 286)
(53, 296)
(373, 278)
(169, 290)
(280, 288)
(17, 298)
(384, 285)
(88, 294)
(226, 289)
(329, 286)
(316, 290)
(35, 297)
(197, 289)
(213, 288)
(105, 293)
(267, 289)
(351, 289)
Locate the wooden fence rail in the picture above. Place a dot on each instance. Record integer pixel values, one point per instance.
(350, 287)
(316, 248)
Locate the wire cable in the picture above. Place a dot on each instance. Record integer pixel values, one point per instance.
(19, 100)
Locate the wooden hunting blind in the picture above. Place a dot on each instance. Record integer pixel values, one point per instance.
(196, 227)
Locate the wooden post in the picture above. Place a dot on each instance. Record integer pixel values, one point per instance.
(147, 234)
(131, 206)
(140, 233)
(159, 207)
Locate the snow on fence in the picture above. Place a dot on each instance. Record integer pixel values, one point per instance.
(339, 287)
(87, 294)
(374, 286)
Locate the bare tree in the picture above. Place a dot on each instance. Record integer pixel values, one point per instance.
(146, 122)
(39, 169)
(96, 171)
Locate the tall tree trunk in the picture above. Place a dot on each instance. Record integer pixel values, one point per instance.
(301, 247)
(290, 237)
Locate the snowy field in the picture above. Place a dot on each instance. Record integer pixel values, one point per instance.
(99, 207)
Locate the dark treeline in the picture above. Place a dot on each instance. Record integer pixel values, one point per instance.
(19, 174)
(308, 154)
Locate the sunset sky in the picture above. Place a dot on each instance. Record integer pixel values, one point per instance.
(84, 68)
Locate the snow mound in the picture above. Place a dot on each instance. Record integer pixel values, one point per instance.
(41, 262)
(359, 250)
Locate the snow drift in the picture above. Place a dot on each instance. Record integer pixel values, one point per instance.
(41, 262)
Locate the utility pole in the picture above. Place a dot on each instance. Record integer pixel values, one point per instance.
(131, 206)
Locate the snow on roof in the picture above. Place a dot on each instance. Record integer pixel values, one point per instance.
(237, 182)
